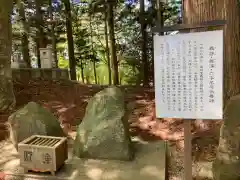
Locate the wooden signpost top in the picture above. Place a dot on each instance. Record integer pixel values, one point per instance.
(179, 27)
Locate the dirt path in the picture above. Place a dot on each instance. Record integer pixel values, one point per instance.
(67, 101)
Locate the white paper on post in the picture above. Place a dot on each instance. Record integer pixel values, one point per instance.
(189, 75)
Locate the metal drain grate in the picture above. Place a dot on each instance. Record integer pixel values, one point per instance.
(43, 141)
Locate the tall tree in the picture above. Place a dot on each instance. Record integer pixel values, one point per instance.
(40, 38)
(25, 41)
(40, 24)
(114, 60)
(93, 51)
(53, 37)
(196, 11)
(7, 98)
(144, 62)
(107, 48)
(72, 61)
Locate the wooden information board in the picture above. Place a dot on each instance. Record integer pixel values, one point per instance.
(189, 77)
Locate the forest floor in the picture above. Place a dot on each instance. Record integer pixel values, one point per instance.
(67, 101)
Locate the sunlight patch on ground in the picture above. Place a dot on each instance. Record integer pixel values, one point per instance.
(204, 169)
(148, 164)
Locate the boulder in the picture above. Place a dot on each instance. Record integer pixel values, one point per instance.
(30, 120)
(104, 131)
(227, 163)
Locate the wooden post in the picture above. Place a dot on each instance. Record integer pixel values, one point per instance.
(187, 150)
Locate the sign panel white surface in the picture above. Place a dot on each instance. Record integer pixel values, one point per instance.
(189, 75)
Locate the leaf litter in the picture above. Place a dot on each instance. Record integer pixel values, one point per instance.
(67, 100)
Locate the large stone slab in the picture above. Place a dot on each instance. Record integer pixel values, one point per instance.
(149, 164)
(30, 120)
(104, 130)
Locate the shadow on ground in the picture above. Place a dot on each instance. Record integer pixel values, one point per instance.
(143, 167)
(67, 100)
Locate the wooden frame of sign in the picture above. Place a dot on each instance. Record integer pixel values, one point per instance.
(187, 119)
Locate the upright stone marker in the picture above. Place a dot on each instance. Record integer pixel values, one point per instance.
(104, 131)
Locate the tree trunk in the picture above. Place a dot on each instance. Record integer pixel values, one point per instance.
(39, 33)
(25, 41)
(114, 60)
(158, 6)
(107, 50)
(38, 52)
(54, 44)
(152, 54)
(39, 24)
(93, 54)
(160, 17)
(144, 44)
(72, 61)
(197, 11)
(7, 98)
(82, 68)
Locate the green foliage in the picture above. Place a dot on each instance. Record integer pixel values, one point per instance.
(128, 38)
(91, 47)
(62, 62)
